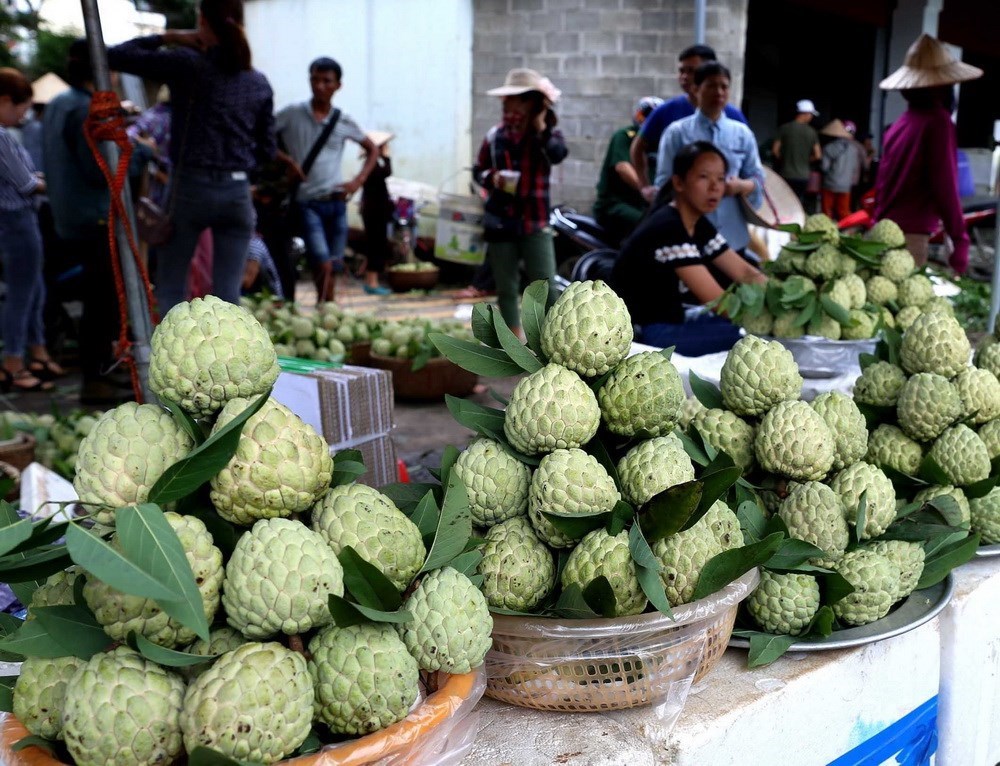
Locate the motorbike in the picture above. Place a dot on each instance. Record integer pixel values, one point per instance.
(584, 248)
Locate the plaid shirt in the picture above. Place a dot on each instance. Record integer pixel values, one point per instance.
(534, 155)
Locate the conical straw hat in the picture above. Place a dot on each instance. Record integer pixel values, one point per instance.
(928, 64)
(47, 87)
(836, 129)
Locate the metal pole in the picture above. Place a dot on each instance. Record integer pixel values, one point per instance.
(699, 21)
(138, 309)
(995, 288)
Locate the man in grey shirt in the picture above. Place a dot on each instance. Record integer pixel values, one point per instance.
(322, 196)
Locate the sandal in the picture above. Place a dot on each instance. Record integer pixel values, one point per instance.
(9, 382)
(45, 369)
(472, 293)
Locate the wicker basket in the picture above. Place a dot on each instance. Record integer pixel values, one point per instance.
(7, 471)
(359, 353)
(611, 664)
(18, 451)
(404, 281)
(441, 729)
(431, 382)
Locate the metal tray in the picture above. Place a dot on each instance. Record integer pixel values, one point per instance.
(987, 551)
(919, 607)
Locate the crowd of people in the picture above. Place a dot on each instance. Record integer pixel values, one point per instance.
(235, 178)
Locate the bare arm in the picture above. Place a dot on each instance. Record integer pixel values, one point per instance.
(371, 157)
(637, 154)
(776, 148)
(703, 285)
(816, 152)
(628, 174)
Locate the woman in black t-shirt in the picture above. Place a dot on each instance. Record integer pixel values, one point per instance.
(668, 253)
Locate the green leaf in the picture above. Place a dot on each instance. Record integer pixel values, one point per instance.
(311, 744)
(406, 495)
(576, 525)
(448, 458)
(752, 520)
(22, 567)
(981, 488)
(866, 360)
(718, 477)
(835, 587)
(834, 309)
(474, 416)
(454, 527)
(420, 360)
(807, 313)
(9, 625)
(822, 622)
(467, 563)
(366, 582)
(204, 461)
(620, 516)
(517, 351)
(948, 508)
(861, 516)
(346, 614)
(705, 392)
(348, 465)
(58, 631)
(13, 535)
(184, 420)
(482, 325)
(148, 540)
(497, 396)
(43, 533)
(33, 740)
(225, 534)
(668, 511)
(205, 756)
(114, 568)
(694, 445)
(477, 580)
(600, 597)
(475, 357)
(792, 553)
(161, 655)
(647, 568)
(426, 516)
(533, 303)
(765, 648)
(572, 604)
(7, 693)
(942, 541)
(598, 449)
(730, 565)
(931, 472)
(938, 567)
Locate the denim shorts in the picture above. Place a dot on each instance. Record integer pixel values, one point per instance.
(324, 229)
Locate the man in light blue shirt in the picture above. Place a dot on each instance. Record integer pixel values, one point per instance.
(737, 142)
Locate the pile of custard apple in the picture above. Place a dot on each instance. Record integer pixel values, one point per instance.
(57, 437)
(276, 647)
(825, 284)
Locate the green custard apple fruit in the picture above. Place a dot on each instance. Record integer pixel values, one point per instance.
(784, 603)
(551, 409)
(642, 396)
(757, 375)
(588, 329)
(602, 555)
(495, 481)
(517, 568)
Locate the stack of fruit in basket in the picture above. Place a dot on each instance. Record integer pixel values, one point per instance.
(833, 286)
(57, 437)
(325, 334)
(270, 610)
(935, 419)
(814, 467)
(591, 504)
(409, 338)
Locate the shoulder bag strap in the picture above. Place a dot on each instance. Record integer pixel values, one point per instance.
(320, 141)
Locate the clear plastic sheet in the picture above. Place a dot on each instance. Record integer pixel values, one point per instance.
(611, 664)
(825, 358)
(439, 731)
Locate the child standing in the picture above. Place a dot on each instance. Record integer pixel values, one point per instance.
(376, 213)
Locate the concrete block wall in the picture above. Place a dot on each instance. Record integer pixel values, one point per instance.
(603, 55)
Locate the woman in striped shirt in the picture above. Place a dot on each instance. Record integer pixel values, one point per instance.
(21, 323)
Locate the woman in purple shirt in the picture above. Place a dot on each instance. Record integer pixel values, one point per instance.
(917, 183)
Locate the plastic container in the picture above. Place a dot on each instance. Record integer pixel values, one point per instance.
(459, 237)
(825, 358)
(440, 730)
(431, 382)
(611, 664)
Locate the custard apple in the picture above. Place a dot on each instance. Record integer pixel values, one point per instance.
(281, 466)
(518, 570)
(757, 375)
(915, 290)
(729, 433)
(813, 513)
(897, 265)
(125, 454)
(936, 491)
(823, 262)
(990, 434)
(602, 555)
(876, 582)
(683, 555)
(495, 481)
(784, 603)
(888, 233)
(642, 396)
(906, 317)
(364, 677)
(988, 358)
(848, 425)
(725, 525)
(759, 324)
(861, 325)
(279, 578)
(856, 289)
(889, 447)
(207, 352)
(962, 455)
(935, 343)
(121, 708)
(794, 441)
(451, 626)
(588, 329)
(653, 466)
(839, 292)
(57, 590)
(881, 290)
(939, 305)
(551, 409)
(40, 692)
(220, 641)
(824, 326)
(254, 704)
(689, 410)
(568, 482)
(879, 385)
(908, 557)
(120, 613)
(785, 327)
(927, 405)
(985, 519)
(980, 392)
(880, 496)
(824, 224)
(363, 518)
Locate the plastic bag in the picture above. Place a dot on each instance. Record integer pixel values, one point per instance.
(609, 664)
(825, 358)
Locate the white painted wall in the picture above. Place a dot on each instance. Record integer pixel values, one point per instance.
(407, 69)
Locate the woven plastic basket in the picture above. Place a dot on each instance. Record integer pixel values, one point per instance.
(441, 729)
(612, 664)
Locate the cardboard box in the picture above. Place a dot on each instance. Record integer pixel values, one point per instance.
(379, 455)
(347, 405)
